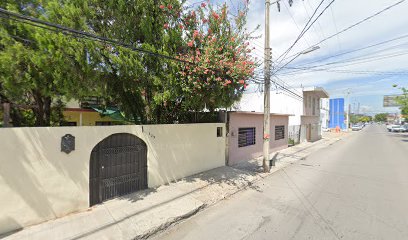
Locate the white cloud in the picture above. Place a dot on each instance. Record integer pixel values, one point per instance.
(342, 14)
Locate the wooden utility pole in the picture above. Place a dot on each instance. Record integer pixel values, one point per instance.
(267, 72)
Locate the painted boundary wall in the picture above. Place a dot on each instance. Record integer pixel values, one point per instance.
(38, 182)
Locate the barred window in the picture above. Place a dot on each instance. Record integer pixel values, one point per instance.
(279, 132)
(246, 137)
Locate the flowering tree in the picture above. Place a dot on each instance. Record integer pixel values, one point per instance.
(218, 61)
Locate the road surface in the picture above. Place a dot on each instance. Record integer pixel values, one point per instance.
(355, 189)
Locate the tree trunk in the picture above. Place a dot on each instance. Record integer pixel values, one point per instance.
(42, 110)
(16, 117)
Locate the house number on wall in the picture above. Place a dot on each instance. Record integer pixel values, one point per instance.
(67, 143)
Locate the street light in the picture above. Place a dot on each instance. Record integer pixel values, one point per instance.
(311, 49)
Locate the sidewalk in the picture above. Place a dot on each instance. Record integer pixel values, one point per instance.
(142, 214)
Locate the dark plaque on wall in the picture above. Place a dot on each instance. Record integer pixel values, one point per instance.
(67, 143)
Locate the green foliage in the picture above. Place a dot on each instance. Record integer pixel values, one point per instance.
(354, 118)
(381, 117)
(217, 51)
(38, 67)
(403, 101)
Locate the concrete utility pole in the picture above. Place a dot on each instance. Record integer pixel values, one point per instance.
(348, 109)
(267, 72)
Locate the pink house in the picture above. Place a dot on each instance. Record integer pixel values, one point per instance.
(245, 135)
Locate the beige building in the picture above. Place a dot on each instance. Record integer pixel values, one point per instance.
(310, 120)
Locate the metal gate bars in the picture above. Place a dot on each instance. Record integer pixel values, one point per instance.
(118, 166)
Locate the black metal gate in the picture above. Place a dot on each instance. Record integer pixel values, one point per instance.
(118, 167)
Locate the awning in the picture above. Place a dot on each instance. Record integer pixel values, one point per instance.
(111, 112)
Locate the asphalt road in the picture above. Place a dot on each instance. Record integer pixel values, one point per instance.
(354, 189)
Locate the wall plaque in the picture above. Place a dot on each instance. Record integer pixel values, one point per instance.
(67, 143)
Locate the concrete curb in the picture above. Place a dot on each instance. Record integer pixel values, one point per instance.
(169, 223)
(258, 177)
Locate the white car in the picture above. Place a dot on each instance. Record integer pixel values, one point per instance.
(390, 126)
(397, 128)
(356, 127)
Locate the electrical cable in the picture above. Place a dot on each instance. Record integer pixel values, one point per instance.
(74, 32)
(344, 30)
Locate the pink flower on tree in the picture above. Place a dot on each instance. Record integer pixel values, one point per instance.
(203, 5)
(169, 6)
(190, 44)
(166, 25)
(161, 6)
(195, 34)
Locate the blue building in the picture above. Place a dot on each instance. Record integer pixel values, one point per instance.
(337, 113)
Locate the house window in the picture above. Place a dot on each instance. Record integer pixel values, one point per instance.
(68, 124)
(310, 101)
(246, 137)
(279, 132)
(314, 106)
(97, 123)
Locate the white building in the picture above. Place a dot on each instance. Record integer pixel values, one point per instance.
(303, 104)
(324, 113)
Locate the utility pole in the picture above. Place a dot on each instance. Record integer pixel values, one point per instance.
(348, 109)
(267, 93)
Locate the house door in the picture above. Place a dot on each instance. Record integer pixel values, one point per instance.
(309, 132)
(118, 166)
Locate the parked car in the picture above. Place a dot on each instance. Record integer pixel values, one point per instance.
(356, 127)
(397, 128)
(390, 126)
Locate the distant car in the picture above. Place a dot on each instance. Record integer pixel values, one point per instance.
(397, 128)
(390, 126)
(356, 127)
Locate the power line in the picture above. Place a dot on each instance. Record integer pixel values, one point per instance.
(358, 49)
(357, 60)
(335, 27)
(304, 30)
(314, 27)
(346, 29)
(72, 32)
(293, 19)
(260, 80)
(317, 18)
(353, 71)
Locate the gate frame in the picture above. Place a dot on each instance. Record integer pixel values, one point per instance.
(145, 186)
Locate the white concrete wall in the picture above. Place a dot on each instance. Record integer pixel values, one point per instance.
(324, 112)
(38, 182)
(281, 103)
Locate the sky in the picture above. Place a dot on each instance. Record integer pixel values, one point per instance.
(367, 74)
